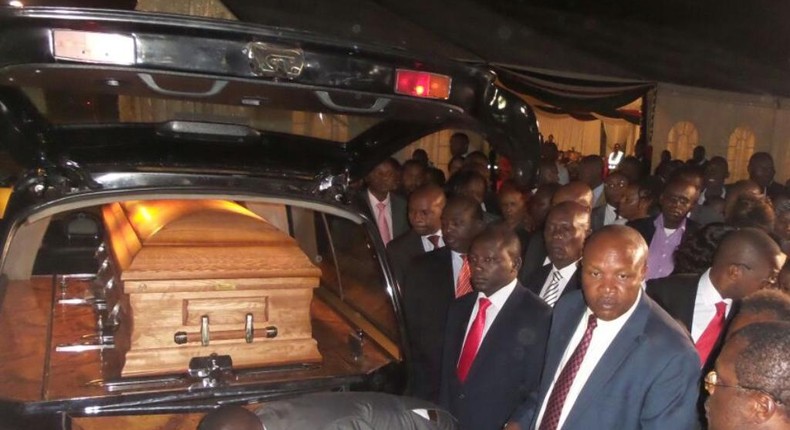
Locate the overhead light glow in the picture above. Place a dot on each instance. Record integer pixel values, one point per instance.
(16, 3)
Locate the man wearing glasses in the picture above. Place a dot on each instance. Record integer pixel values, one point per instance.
(746, 261)
(750, 388)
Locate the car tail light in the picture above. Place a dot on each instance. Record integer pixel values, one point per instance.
(422, 84)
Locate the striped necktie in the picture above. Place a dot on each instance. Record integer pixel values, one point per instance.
(552, 292)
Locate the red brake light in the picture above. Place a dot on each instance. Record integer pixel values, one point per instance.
(422, 84)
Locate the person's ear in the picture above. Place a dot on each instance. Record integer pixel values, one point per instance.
(517, 264)
(734, 271)
(763, 407)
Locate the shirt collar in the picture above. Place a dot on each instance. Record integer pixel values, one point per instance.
(659, 224)
(374, 201)
(567, 271)
(436, 233)
(499, 298)
(707, 292)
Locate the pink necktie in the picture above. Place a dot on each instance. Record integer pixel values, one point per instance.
(551, 417)
(381, 220)
(473, 339)
(708, 339)
(464, 285)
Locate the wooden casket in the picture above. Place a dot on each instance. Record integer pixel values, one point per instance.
(207, 276)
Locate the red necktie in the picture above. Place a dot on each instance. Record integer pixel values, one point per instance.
(711, 334)
(381, 220)
(551, 417)
(434, 239)
(473, 339)
(464, 285)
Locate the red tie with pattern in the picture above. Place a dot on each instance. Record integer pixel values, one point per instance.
(551, 417)
(464, 285)
(711, 334)
(473, 339)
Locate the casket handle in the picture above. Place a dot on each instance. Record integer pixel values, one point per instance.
(249, 331)
(204, 334)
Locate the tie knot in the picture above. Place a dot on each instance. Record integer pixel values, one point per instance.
(434, 239)
(592, 322)
(721, 308)
(483, 304)
(381, 206)
(557, 275)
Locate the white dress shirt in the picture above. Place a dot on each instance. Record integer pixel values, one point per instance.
(387, 210)
(602, 338)
(597, 191)
(427, 246)
(610, 215)
(498, 300)
(705, 305)
(566, 273)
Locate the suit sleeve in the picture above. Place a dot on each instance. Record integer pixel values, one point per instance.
(671, 401)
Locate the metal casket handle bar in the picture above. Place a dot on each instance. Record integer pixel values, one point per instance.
(205, 336)
(377, 106)
(215, 89)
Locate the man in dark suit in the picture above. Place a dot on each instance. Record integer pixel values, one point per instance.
(567, 226)
(425, 216)
(535, 254)
(761, 170)
(495, 338)
(746, 261)
(614, 188)
(434, 280)
(664, 232)
(615, 359)
(378, 200)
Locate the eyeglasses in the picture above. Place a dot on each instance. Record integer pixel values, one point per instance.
(712, 381)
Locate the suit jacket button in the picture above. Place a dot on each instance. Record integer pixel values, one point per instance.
(461, 396)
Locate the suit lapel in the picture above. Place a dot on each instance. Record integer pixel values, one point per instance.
(563, 325)
(458, 333)
(539, 279)
(574, 283)
(629, 338)
(501, 325)
(687, 296)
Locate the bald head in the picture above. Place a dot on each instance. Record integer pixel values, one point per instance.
(230, 418)
(575, 191)
(567, 226)
(620, 236)
(746, 261)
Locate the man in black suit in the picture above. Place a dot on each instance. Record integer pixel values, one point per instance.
(761, 170)
(379, 201)
(535, 254)
(495, 338)
(425, 216)
(746, 261)
(614, 188)
(433, 281)
(567, 227)
(614, 359)
(664, 232)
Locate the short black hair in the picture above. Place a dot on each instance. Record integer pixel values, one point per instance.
(746, 240)
(466, 203)
(415, 163)
(504, 236)
(751, 211)
(696, 250)
(769, 301)
(764, 363)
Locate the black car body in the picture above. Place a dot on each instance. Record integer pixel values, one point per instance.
(107, 106)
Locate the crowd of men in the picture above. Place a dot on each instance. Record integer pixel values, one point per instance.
(596, 300)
